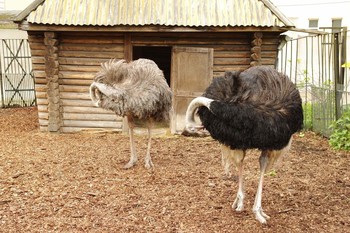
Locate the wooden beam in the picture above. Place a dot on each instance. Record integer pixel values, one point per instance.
(256, 49)
(53, 92)
(127, 47)
(24, 25)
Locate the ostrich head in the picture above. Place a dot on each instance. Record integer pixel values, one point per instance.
(191, 127)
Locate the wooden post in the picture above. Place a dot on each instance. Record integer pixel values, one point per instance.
(52, 76)
(127, 47)
(255, 56)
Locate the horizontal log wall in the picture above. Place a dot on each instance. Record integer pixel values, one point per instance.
(231, 50)
(80, 55)
(79, 58)
(38, 52)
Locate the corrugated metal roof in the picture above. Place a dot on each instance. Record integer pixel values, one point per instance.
(260, 13)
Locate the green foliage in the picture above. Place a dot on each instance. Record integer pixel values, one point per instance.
(272, 173)
(340, 138)
(307, 111)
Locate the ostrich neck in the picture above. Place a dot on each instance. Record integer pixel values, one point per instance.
(196, 103)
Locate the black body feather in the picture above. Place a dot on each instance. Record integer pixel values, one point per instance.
(257, 108)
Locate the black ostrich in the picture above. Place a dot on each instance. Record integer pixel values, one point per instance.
(257, 108)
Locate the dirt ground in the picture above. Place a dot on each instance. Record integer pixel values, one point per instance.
(76, 183)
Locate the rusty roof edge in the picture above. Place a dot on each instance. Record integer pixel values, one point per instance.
(21, 16)
(278, 13)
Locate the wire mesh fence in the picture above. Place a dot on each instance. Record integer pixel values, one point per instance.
(317, 64)
(16, 75)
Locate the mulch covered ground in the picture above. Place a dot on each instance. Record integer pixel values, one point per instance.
(76, 183)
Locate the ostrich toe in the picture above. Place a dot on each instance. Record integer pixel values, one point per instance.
(130, 164)
(261, 216)
(149, 164)
(238, 203)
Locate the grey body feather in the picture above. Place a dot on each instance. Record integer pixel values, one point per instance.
(136, 89)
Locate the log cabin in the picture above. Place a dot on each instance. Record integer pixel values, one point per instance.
(191, 41)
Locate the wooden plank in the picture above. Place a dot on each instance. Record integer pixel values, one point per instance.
(38, 59)
(87, 54)
(43, 128)
(80, 103)
(152, 28)
(91, 47)
(41, 101)
(73, 95)
(187, 40)
(75, 88)
(43, 122)
(81, 61)
(92, 40)
(75, 109)
(231, 61)
(43, 115)
(231, 67)
(39, 80)
(127, 47)
(91, 117)
(86, 82)
(79, 68)
(40, 88)
(231, 54)
(76, 75)
(39, 74)
(42, 95)
(92, 124)
(42, 108)
(195, 35)
(66, 129)
(38, 46)
(36, 66)
(37, 52)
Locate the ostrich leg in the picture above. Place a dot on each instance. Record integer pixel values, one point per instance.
(257, 209)
(148, 161)
(133, 157)
(266, 160)
(236, 157)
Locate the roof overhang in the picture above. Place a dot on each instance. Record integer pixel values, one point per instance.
(108, 15)
(24, 25)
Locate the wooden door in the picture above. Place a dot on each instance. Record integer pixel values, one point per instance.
(191, 74)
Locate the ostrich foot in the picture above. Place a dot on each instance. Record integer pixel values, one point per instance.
(148, 164)
(130, 164)
(238, 203)
(261, 216)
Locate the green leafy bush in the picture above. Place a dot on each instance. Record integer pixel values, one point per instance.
(340, 138)
(307, 111)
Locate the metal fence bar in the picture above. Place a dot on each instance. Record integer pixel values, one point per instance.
(314, 64)
(17, 79)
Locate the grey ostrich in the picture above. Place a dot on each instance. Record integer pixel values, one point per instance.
(257, 108)
(135, 90)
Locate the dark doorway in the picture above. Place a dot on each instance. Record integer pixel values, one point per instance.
(160, 55)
